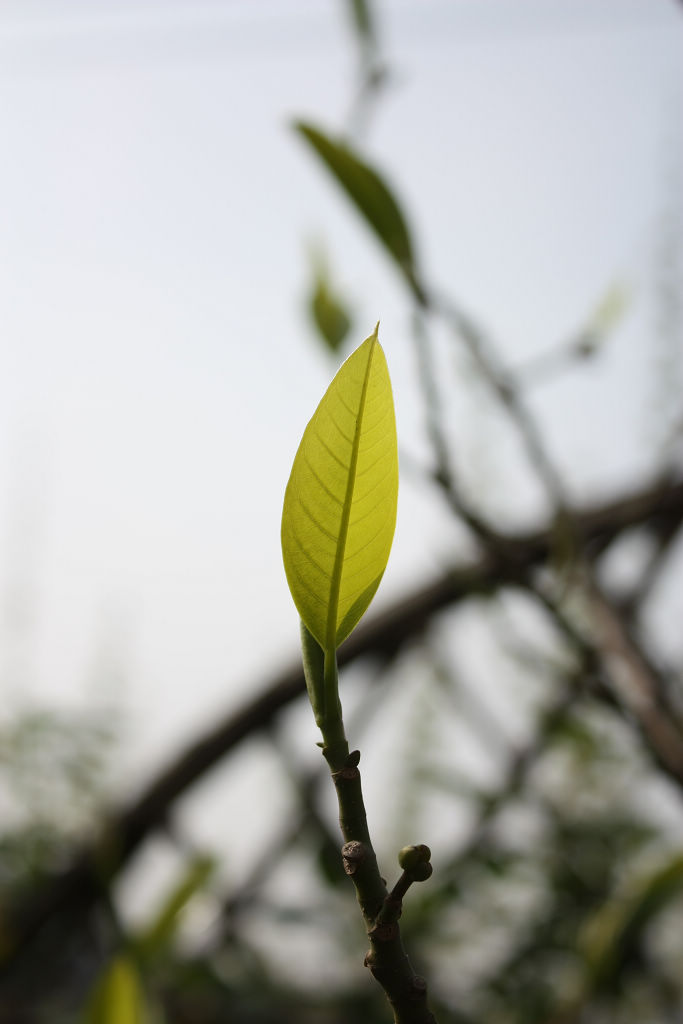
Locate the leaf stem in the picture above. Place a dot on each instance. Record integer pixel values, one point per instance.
(336, 747)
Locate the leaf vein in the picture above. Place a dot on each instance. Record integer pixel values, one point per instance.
(316, 522)
(332, 453)
(349, 440)
(321, 482)
(309, 558)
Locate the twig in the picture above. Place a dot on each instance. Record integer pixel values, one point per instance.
(386, 959)
(505, 388)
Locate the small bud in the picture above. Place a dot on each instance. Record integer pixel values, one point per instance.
(353, 855)
(412, 856)
(408, 857)
(422, 871)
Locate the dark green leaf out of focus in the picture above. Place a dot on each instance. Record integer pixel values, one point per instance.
(329, 314)
(161, 930)
(371, 196)
(362, 19)
(612, 937)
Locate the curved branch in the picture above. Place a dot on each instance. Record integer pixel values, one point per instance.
(81, 884)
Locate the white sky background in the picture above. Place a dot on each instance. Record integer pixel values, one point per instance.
(156, 367)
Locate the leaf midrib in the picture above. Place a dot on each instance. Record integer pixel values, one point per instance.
(331, 636)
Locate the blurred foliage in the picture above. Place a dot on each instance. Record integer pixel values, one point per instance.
(54, 774)
(363, 21)
(117, 997)
(329, 313)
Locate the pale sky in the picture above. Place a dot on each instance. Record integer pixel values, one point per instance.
(157, 367)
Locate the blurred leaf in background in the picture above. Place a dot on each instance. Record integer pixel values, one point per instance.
(328, 311)
(118, 997)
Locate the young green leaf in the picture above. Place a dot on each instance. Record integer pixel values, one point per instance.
(340, 504)
(371, 195)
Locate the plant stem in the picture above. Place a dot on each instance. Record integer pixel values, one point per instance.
(336, 746)
(386, 958)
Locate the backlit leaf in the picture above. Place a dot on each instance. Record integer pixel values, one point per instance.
(370, 194)
(340, 504)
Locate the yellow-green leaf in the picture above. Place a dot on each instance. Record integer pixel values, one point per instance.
(117, 997)
(340, 504)
(370, 194)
